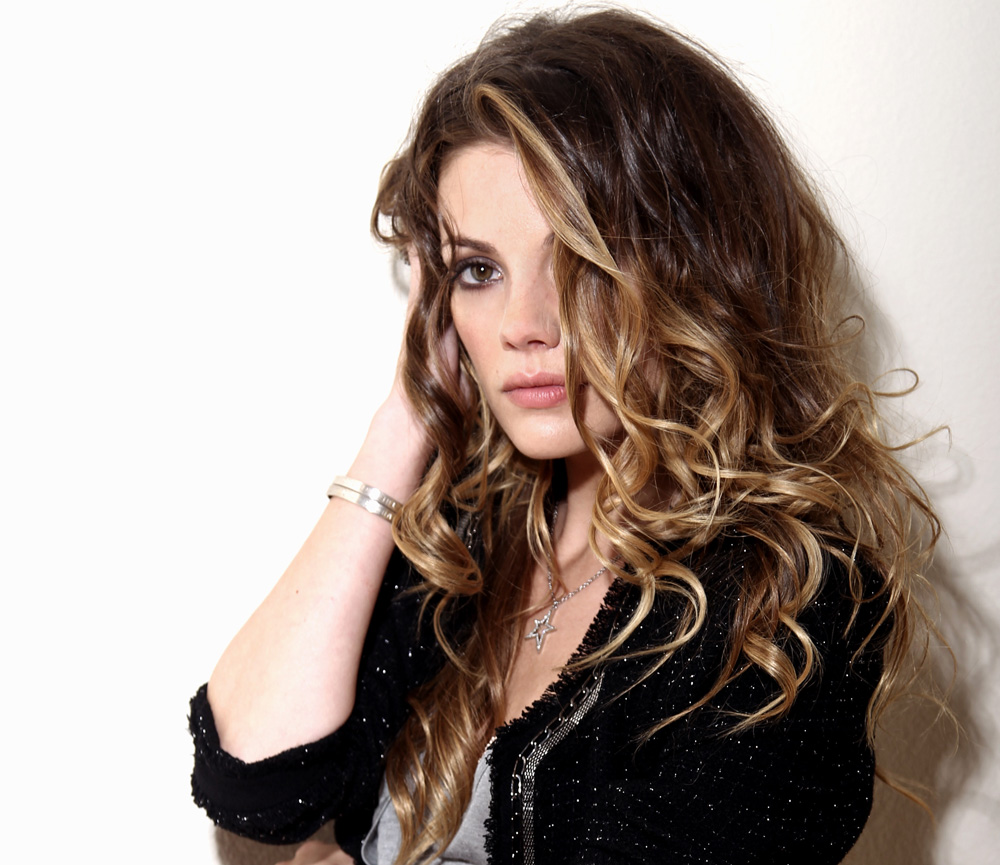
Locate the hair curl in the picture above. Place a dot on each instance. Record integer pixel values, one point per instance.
(696, 269)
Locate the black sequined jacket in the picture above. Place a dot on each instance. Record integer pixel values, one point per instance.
(571, 780)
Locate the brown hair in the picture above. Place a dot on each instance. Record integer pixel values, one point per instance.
(696, 268)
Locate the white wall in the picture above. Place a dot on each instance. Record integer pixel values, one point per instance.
(195, 328)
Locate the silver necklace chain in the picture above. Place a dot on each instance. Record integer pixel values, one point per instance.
(543, 626)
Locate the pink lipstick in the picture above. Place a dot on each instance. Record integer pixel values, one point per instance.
(540, 390)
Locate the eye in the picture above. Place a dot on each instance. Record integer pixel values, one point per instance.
(476, 273)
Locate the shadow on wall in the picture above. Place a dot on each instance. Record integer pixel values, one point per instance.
(937, 757)
(931, 755)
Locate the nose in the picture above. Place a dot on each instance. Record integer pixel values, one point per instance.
(531, 314)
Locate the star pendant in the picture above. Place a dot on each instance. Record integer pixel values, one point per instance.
(542, 627)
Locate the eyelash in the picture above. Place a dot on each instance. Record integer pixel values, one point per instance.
(473, 284)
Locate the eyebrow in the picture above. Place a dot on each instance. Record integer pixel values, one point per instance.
(470, 243)
(482, 246)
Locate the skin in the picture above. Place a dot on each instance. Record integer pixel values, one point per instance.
(289, 676)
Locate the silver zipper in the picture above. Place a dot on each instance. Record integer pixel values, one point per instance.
(528, 761)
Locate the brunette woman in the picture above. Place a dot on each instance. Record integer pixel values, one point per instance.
(623, 570)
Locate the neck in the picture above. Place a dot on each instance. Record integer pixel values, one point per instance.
(571, 536)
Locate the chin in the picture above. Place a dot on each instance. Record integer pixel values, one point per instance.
(554, 435)
(548, 449)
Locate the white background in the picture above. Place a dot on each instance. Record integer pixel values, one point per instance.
(195, 328)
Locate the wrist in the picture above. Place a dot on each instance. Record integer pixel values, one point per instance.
(395, 451)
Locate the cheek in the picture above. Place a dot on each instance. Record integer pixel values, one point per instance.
(597, 415)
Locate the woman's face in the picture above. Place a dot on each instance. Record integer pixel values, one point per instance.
(505, 304)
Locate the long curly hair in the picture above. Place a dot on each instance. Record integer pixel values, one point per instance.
(697, 272)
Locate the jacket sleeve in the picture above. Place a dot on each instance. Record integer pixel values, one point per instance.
(287, 797)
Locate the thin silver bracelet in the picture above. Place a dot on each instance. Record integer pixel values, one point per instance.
(372, 499)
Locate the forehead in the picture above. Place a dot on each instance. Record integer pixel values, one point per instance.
(483, 193)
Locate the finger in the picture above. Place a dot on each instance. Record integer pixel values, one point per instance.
(412, 298)
(413, 259)
(444, 356)
(446, 361)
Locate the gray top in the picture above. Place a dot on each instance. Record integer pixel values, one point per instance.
(467, 847)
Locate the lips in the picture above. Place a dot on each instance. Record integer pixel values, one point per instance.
(538, 390)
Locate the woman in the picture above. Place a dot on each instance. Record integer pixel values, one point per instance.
(656, 563)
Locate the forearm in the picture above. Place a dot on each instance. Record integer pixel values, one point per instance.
(289, 675)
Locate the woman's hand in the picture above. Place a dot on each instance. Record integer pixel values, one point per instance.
(318, 853)
(445, 363)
